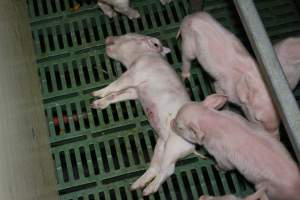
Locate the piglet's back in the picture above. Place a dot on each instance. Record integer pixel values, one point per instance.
(255, 153)
(204, 24)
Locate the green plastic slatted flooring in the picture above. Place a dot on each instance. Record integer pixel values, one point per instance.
(98, 154)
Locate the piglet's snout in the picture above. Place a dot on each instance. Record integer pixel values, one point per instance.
(109, 50)
(109, 40)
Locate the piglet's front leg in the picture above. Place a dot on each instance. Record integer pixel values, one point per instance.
(128, 94)
(124, 82)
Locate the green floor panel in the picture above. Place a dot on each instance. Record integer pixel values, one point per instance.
(99, 153)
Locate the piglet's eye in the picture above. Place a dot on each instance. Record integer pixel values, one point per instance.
(156, 45)
(179, 128)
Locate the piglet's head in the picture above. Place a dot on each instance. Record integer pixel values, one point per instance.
(251, 95)
(187, 122)
(129, 47)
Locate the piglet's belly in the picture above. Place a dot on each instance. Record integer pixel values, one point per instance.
(153, 117)
(160, 114)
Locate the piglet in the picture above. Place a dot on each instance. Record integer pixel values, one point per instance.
(236, 143)
(111, 7)
(225, 59)
(288, 52)
(151, 79)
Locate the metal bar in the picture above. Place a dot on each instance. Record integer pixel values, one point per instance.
(271, 71)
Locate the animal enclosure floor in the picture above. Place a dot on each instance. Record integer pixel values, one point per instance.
(99, 153)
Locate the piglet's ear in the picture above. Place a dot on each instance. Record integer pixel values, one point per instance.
(198, 134)
(155, 45)
(193, 126)
(165, 51)
(215, 101)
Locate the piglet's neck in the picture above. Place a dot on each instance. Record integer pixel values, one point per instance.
(132, 60)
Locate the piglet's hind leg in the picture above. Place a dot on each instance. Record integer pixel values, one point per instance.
(154, 166)
(186, 66)
(171, 155)
(188, 49)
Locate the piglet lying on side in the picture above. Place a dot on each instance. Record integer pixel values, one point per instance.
(226, 60)
(288, 52)
(151, 79)
(238, 144)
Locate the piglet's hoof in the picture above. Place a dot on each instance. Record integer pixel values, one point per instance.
(111, 14)
(151, 188)
(143, 180)
(134, 15)
(185, 76)
(99, 104)
(98, 93)
(200, 155)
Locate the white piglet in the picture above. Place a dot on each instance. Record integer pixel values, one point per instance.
(236, 143)
(226, 60)
(151, 79)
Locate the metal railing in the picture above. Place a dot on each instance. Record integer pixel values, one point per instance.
(271, 70)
